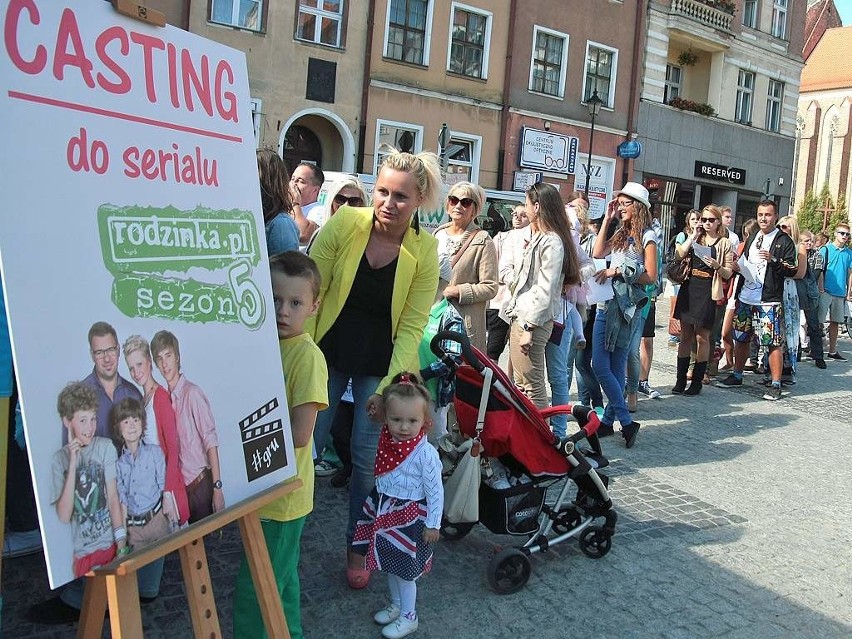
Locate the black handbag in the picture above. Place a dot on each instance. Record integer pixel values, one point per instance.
(678, 269)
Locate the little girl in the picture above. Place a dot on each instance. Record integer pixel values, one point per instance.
(402, 515)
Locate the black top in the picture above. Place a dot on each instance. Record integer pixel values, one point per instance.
(699, 265)
(360, 340)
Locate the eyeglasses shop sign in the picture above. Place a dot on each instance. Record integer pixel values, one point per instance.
(728, 174)
(547, 151)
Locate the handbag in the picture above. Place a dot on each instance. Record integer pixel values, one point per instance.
(678, 268)
(461, 490)
(559, 328)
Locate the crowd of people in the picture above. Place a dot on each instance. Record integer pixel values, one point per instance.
(353, 305)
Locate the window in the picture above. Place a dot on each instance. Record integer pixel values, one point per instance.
(750, 14)
(245, 14)
(672, 88)
(601, 63)
(779, 19)
(549, 62)
(320, 21)
(463, 158)
(745, 89)
(773, 105)
(408, 31)
(470, 36)
(399, 135)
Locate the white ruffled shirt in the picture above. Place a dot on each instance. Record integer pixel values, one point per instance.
(418, 476)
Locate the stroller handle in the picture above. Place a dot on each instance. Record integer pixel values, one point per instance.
(467, 350)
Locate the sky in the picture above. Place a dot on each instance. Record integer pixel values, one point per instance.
(844, 8)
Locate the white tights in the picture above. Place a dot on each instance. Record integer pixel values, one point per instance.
(403, 594)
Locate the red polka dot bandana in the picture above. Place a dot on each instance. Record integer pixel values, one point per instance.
(390, 453)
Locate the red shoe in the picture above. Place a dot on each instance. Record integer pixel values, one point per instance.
(358, 578)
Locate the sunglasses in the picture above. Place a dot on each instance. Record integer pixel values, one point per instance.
(625, 205)
(843, 233)
(355, 200)
(708, 219)
(465, 201)
(784, 227)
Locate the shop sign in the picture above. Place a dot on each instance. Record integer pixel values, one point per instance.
(630, 149)
(548, 151)
(525, 179)
(719, 172)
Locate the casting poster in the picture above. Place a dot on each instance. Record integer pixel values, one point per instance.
(134, 264)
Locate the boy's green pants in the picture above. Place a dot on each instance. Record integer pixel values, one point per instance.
(282, 540)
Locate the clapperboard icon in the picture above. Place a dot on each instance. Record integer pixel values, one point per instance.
(263, 444)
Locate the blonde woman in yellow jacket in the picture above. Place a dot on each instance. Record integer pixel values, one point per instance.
(379, 279)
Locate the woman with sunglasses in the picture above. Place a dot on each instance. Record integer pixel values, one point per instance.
(632, 253)
(699, 295)
(792, 305)
(549, 263)
(350, 192)
(472, 256)
(379, 278)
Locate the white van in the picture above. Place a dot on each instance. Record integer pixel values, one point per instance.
(496, 217)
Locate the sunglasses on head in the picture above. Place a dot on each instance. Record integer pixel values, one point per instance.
(355, 200)
(465, 201)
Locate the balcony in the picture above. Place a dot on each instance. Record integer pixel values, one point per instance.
(716, 14)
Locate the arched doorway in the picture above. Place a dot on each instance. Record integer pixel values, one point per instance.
(301, 145)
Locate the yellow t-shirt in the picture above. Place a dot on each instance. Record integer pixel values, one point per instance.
(306, 381)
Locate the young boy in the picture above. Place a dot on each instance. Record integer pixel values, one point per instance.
(84, 487)
(295, 291)
(141, 471)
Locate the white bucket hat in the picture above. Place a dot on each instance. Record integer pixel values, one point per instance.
(636, 191)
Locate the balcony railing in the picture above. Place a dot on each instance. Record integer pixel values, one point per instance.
(704, 13)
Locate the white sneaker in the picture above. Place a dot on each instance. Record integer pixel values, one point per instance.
(323, 469)
(401, 627)
(646, 389)
(384, 616)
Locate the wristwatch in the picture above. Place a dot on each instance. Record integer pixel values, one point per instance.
(528, 328)
(217, 484)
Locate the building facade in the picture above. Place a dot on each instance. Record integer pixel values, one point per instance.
(825, 118)
(717, 118)
(305, 63)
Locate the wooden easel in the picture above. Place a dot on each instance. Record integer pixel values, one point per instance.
(4, 446)
(115, 585)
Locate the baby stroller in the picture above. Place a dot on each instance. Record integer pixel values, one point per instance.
(494, 412)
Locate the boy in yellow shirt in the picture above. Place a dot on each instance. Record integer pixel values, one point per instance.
(295, 291)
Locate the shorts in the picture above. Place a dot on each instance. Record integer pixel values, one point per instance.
(761, 323)
(650, 321)
(833, 307)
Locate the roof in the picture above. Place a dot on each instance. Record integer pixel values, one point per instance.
(828, 66)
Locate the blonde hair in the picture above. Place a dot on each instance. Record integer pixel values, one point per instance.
(349, 182)
(581, 209)
(473, 191)
(424, 167)
(793, 223)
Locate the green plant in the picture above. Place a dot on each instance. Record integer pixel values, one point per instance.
(687, 58)
(695, 107)
(812, 211)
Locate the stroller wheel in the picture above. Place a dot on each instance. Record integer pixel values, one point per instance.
(509, 571)
(454, 532)
(594, 542)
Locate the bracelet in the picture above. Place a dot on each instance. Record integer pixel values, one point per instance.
(119, 533)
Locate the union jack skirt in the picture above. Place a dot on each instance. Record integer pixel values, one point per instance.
(390, 534)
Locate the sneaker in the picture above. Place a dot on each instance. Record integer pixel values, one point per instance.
(401, 627)
(323, 469)
(730, 381)
(53, 612)
(773, 393)
(837, 356)
(820, 363)
(645, 389)
(384, 616)
(18, 544)
(750, 366)
(628, 432)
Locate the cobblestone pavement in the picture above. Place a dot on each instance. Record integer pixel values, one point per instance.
(734, 521)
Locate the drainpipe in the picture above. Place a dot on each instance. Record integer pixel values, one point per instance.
(638, 61)
(507, 79)
(365, 88)
(186, 7)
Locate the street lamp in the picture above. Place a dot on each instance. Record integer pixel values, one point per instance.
(594, 104)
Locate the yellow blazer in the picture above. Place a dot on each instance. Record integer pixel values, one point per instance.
(337, 251)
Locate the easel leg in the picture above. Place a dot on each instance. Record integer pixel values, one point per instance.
(199, 590)
(4, 449)
(125, 618)
(91, 624)
(257, 557)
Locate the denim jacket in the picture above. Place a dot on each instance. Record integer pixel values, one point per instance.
(624, 308)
